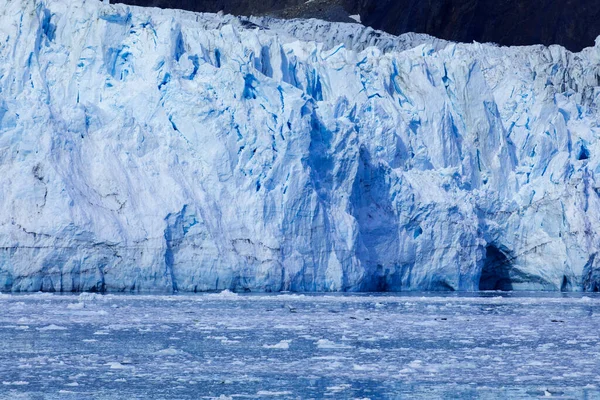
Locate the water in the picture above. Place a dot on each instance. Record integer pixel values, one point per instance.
(294, 346)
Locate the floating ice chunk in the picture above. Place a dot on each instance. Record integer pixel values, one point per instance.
(328, 344)
(52, 327)
(229, 341)
(225, 294)
(218, 337)
(89, 296)
(339, 388)
(358, 367)
(116, 365)
(170, 351)
(290, 327)
(282, 345)
(369, 351)
(535, 363)
(270, 393)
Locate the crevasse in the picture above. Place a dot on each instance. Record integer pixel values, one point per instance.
(146, 149)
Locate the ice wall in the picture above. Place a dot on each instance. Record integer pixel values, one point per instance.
(143, 149)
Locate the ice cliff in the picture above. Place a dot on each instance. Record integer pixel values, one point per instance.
(143, 149)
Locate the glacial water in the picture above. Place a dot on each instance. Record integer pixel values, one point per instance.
(289, 346)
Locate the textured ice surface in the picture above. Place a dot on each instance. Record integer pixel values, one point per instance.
(144, 149)
(290, 346)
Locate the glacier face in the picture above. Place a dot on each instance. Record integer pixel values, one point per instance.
(146, 149)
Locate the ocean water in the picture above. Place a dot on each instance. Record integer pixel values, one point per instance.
(287, 346)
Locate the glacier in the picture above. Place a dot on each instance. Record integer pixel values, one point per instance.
(161, 150)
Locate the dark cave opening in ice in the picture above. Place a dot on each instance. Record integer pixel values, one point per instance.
(495, 274)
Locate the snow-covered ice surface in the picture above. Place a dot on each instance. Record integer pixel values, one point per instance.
(146, 149)
(293, 346)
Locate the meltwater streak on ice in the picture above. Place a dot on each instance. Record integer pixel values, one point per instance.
(147, 149)
(228, 346)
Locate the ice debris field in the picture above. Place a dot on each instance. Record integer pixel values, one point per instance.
(227, 346)
(145, 149)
